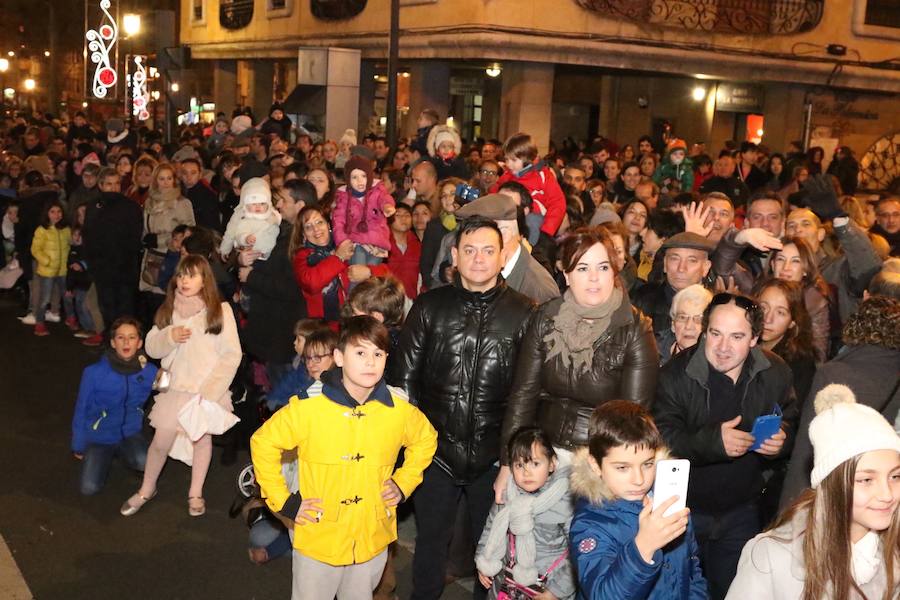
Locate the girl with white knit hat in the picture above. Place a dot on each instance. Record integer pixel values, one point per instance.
(841, 539)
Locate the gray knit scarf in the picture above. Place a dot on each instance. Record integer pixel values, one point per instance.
(576, 328)
(517, 517)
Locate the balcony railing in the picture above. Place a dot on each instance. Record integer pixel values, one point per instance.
(767, 17)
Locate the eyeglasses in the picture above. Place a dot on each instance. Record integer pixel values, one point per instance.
(313, 225)
(683, 319)
(315, 358)
(740, 301)
(488, 172)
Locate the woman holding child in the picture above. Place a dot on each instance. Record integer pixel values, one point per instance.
(581, 350)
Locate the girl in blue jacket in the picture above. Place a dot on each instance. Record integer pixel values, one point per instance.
(621, 548)
(109, 410)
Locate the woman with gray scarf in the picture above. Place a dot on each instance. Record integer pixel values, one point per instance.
(581, 350)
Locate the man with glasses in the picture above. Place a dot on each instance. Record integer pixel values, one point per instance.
(887, 222)
(455, 359)
(707, 401)
(488, 174)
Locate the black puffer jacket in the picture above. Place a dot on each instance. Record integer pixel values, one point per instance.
(559, 401)
(456, 360)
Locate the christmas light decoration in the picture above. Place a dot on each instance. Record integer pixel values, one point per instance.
(101, 44)
(140, 96)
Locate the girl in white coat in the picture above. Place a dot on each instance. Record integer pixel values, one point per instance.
(195, 336)
(841, 539)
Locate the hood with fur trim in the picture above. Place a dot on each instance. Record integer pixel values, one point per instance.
(584, 482)
(440, 133)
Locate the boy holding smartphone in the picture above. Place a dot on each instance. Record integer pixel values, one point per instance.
(622, 547)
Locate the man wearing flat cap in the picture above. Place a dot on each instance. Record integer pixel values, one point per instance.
(686, 261)
(520, 270)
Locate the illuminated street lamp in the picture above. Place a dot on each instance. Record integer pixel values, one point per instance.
(175, 87)
(131, 23)
(4, 65)
(30, 84)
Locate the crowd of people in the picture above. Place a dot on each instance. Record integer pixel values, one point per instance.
(505, 341)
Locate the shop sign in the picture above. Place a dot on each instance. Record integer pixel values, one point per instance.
(466, 86)
(739, 97)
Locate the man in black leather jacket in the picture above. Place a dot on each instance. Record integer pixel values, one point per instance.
(456, 359)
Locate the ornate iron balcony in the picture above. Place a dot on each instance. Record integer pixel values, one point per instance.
(766, 17)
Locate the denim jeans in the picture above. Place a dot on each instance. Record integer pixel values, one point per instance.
(98, 458)
(270, 535)
(435, 501)
(74, 302)
(720, 539)
(44, 287)
(361, 257)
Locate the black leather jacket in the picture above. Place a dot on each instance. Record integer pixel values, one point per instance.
(456, 359)
(547, 394)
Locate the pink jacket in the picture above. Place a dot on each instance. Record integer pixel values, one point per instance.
(348, 209)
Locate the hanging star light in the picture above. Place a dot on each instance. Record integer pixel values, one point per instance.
(101, 42)
(140, 96)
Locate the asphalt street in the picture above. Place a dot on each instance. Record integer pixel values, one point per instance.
(70, 547)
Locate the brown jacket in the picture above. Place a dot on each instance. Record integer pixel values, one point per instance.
(560, 402)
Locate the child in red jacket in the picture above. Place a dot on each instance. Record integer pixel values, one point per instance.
(521, 154)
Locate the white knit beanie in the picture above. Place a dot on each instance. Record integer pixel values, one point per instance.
(256, 191)
(843, 429)
(240, 124)
(348, 138)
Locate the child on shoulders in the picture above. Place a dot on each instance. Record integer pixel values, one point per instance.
(622, 548)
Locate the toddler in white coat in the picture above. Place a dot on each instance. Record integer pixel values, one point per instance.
(255, 222)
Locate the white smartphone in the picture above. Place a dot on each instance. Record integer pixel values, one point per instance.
(671, 480)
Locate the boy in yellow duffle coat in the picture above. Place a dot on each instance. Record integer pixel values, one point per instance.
(347, 440)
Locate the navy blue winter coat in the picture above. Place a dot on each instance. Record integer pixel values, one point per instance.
(608, 563)
(110, 405)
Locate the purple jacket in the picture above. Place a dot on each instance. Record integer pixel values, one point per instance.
(368, 225)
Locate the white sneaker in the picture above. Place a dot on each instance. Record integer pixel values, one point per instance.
(52, 317)
(28, 319)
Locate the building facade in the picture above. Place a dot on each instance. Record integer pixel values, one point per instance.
(715, 70)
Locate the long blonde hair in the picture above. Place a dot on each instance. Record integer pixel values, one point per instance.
(191, 265)
(154, 186)
(827, 547)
